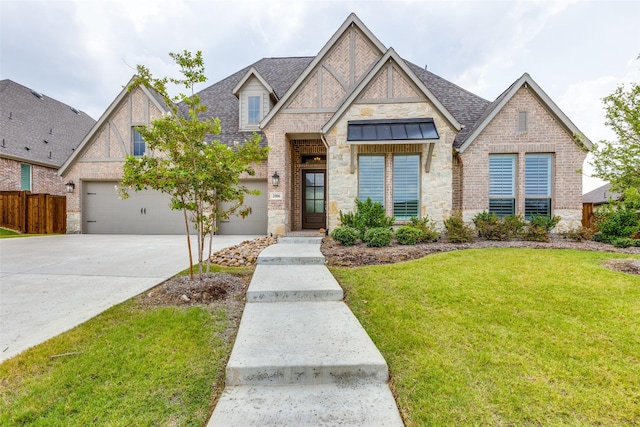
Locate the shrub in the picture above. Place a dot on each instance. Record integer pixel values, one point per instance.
(620, 222)
(408, 235)
(378, 237)
(599, 237)
(578, 234)
(427, 228)
(368, 214)
(623, 242)
(540, 226)
(457, 230)
(346, 236)
(489, 226)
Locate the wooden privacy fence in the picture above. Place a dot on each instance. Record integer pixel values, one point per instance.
(33, 213)
(588, 217)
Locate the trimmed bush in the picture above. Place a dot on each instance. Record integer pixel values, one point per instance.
(621, 222)
(427, 228)
(489, 226)
(540, 226)
(408, 235)
(346, 236)
(378, 237)
(578, 234)
(457, 230)
(623, 242)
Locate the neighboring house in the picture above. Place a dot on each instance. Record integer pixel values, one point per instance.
(600, 196)
(38, 134)
(358, 121)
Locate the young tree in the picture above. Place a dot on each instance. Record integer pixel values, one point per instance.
(199, 173)
(619, 161)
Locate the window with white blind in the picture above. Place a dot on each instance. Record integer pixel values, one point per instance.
(139, 146)
(25, 177)
(537, 183)
(406, 186)
(253, 110)
(502, 184)
(371, 178)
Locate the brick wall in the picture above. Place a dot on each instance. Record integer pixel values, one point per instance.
(43, 179)
(544, 135)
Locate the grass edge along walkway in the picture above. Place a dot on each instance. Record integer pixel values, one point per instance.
(505, 336)
(127, 366)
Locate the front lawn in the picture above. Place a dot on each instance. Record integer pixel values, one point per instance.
(505, 336)
(146, 362)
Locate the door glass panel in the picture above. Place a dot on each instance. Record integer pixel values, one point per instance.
(310, 206)
(319, 206)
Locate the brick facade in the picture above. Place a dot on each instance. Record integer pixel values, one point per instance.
(544, 135)
(43, 179)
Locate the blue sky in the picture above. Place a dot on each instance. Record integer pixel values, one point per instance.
(82, 52)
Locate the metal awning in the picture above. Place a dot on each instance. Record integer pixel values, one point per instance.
(391, 131)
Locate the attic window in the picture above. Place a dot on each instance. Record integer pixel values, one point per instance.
(391, 131)
(37, 94)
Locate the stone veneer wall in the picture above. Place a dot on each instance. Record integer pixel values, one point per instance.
(544, 135)
(436, 185)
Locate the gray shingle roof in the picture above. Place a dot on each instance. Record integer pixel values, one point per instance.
(222, 103)
(281, 73)
(49, 128)
(600, 195)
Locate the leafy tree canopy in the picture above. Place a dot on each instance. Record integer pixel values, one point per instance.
(619, 161)
(200, 174)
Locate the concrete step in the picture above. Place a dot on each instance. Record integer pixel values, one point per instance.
(292, 254)
(286, 343)
(301, 239)
(310, 405)
(272, 283)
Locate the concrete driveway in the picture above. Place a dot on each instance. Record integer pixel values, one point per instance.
(51, 284)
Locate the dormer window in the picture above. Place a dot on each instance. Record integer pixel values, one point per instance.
(253, 110)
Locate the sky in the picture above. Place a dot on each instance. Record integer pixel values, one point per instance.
(82, 52)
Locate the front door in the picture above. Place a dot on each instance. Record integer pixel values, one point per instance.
(313, 196)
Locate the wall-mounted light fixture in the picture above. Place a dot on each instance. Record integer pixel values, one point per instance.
(70, 186)
(275, 179)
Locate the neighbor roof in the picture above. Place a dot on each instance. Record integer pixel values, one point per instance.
(600, 195)
(38, 129)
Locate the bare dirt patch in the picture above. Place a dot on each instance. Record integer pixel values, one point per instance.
(631, 266)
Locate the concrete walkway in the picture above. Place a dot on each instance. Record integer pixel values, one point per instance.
(301, 358)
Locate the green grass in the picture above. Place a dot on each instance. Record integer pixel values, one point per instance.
(505, 337)
(130, 366)
(6, 233)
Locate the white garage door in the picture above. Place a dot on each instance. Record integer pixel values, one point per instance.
(254, 223)
(145, 212)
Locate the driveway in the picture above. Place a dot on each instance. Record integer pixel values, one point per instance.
(51, 284)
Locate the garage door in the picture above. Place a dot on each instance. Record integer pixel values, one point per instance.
(145, 212)
(256, 222)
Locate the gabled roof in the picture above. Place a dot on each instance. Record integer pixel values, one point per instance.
(600, 195)
(352, 19)
(390, 55)
(254, 73)
(496, 106)
(279, 73)
(37, 129)
(150, 93)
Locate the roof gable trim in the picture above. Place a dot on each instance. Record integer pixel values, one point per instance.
(254, 73)
(528, 83)
(351, 20)
(390, 55)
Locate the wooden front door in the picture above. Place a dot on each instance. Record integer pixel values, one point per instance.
(313, 199)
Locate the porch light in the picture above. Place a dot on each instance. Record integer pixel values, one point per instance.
(70, 186)
(275, 179)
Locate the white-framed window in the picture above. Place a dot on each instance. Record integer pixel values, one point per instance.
(502, 184)
(25, 177)
(139, 147)
(537, 185)
(254, 110)
(371, 178)
(406, 186)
